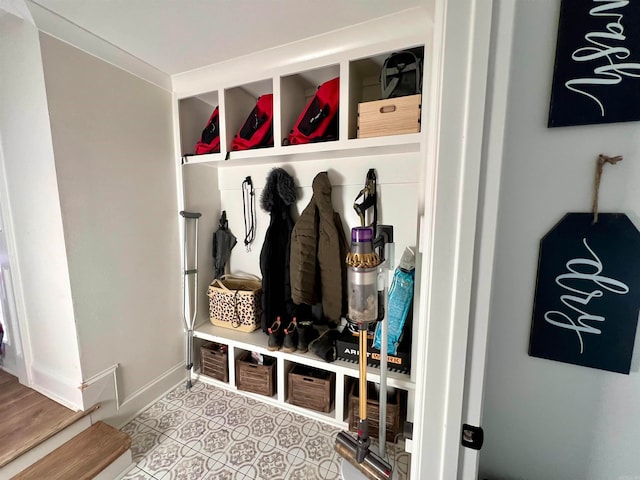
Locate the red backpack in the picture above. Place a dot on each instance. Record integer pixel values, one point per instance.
(210, 139)
(257, 131)
(319, 120)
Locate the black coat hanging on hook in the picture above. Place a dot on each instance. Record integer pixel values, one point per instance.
(597, 67)
(587, 296)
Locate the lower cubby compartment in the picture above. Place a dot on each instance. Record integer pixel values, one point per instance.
(396, 408)
(311, 388)
(255, 377)
(280, 380)
(214, 361)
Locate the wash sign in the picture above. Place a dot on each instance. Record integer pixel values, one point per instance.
(587, 296)
(597, 67)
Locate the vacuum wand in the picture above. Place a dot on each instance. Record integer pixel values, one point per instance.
(362, 277)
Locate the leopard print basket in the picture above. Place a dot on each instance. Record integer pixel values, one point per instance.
(234, 302)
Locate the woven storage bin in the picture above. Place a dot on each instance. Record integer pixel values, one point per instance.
(214, 361)
(392, 116)
(373, 412)
(311, 388)
(234, 302)
(255, 378)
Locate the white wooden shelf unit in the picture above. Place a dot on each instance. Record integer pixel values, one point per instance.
(211, 183)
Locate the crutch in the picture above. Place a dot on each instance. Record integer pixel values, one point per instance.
(189, 319)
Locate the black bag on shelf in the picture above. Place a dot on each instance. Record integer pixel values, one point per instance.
(401, 73)
(319, 120)
(257, 130)
(210, 139)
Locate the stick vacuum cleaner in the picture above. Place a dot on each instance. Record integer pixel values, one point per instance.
(362, 273)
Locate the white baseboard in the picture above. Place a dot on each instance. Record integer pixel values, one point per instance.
(139, 400)
(103, 392)
(62, 390)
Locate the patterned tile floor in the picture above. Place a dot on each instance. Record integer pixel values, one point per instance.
(210, 433)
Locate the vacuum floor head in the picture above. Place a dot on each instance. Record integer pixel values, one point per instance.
(373, 467)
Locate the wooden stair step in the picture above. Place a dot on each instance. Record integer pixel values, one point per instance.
(28, 418)
(82, 457)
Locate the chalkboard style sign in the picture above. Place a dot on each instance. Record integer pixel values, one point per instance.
(597, 67)
(587, 295)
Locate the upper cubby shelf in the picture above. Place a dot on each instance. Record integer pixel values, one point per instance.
(359, 81)
(296, 91)
(365, 85)
(239, 103)
(193, 114)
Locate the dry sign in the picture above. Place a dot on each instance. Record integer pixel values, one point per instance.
(597, 67)
(587, 295)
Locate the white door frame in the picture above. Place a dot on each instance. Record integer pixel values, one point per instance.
(454, 133)
(492, 157)
(11, 278)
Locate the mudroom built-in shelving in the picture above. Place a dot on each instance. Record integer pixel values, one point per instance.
(211, 183)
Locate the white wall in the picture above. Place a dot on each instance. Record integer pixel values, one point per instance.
(39, 258)
(544, 419)
(112, 136)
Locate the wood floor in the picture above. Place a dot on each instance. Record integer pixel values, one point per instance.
(27, 418)
(99, 445)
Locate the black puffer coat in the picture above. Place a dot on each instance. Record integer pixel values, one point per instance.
(278, 196)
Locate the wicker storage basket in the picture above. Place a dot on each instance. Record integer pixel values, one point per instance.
(311, 388)
(214, 361)
(255, 378)
(234, 302)
(373, 412)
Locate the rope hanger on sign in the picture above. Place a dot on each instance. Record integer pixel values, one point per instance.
(602, 159)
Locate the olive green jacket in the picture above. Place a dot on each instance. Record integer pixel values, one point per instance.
(318, 253)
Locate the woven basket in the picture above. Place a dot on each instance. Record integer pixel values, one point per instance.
(235, 302)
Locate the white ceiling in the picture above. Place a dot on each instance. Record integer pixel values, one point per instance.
(175, 36)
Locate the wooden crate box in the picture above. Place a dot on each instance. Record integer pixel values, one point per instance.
(393, 116)
(214, 361)
(311, 388)
(255, 378)
(373, 412)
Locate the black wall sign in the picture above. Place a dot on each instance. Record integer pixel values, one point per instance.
(597, 70)
(587, 295)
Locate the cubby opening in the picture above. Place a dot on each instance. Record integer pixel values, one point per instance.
(256, 373)
(365, 85)
(194, 113)
(214, 361)
(239, 103)
(395, 412)
(311, 388)
(296, 91)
